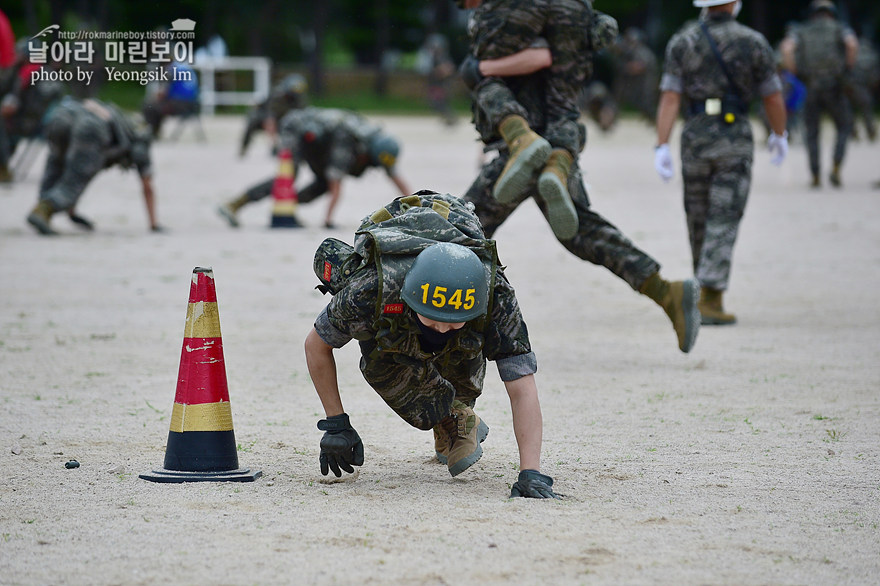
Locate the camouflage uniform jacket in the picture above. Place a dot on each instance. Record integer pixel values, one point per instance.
(333, 142)
(821, 51)
(369, 307)
(692, 70)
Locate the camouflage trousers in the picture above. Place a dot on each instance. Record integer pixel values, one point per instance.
(597, 240)
(420, 391)
(831, 99)
(716, 164)
(78, 142)
(310, 192)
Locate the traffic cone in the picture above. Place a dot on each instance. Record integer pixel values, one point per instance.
(284, 194)
(201, 441)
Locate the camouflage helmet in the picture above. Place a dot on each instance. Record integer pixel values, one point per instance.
(823, 5)
(383, 150)
(447, 283)
(604, 31)
(294, 84)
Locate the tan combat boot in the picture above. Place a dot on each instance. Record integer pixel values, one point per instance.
(834, 178)
(229, 210)
(528, 153)
(553, 187)
(679, 300)
(463, 431)
(5, 174)
(40, 217)
(712, 310)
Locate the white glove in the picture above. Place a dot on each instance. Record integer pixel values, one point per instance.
(778, 147)
(663, 162)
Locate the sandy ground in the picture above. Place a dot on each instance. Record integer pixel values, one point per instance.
(753, 460)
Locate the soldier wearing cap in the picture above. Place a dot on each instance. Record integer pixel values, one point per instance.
(334, 143)
(84, 138)
(426, 299)
(717, 66)
(821, 52)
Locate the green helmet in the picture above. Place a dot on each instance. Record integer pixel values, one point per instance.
(384, 150)
(447, 283)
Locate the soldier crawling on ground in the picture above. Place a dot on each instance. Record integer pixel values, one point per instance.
(423, 294)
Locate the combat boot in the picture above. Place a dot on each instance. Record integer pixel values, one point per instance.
(5, 174)
(464, 431)
(553, 187)
(679, 300)
(528, 153)
(712, 309)
(40, 217)
(229, 210)
(834, 178)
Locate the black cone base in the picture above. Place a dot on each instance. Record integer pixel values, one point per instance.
(285, 222)
(177, 476)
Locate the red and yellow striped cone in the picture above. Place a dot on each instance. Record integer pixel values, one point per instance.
(284, 194)
(201, 441)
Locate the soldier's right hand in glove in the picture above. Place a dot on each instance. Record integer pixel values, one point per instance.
(341, 446)
(663, 162)
(470, 71)
(778, 147)
(533, 484)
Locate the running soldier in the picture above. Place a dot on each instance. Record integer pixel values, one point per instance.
(597, 240)
(289, 94)
(820, 52)
(505, 27)
(718, 66)
(424, 295)
(334, 143)
(84, 138)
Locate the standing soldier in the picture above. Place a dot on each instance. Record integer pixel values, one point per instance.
(84, 138)
(820, 52)
(289, 94)
(423, 294)
(635, 73)
(718, 66)
(334, 143)
(863, 85)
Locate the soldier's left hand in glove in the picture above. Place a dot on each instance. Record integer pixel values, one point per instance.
(778, 147)
(341, 446)
(533, 484)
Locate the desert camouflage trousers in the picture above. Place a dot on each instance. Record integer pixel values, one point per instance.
(828, 98)
(421, 391)
(716, 164)
(597, 240)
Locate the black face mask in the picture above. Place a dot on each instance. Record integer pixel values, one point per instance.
(432, 340)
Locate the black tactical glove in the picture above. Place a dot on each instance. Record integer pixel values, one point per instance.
(533, 484)
(341, 446)
(470, 71)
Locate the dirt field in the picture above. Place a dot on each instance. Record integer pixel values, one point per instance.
(753, 460)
